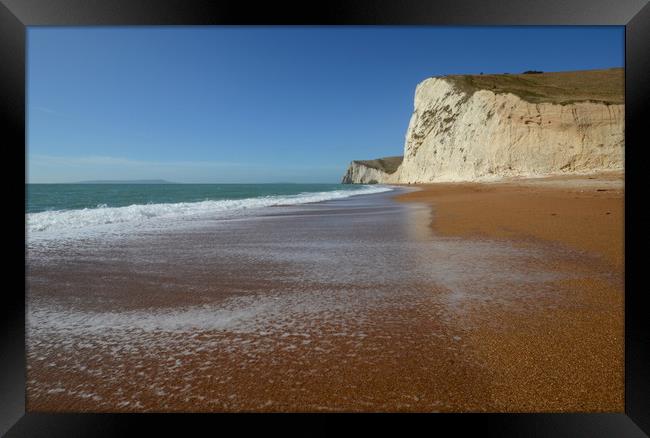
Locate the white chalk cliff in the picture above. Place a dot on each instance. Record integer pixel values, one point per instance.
(360, 173)
(468, 133)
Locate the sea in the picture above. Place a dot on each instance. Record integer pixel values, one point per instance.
(69, 210)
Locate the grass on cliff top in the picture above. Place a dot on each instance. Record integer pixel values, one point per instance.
(605, 86)
(386, 164)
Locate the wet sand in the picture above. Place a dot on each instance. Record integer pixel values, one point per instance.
(348, 305)
(584, 212)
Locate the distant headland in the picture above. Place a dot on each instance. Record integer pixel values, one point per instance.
(126, 181)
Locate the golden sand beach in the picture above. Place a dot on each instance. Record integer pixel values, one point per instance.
(463, 298)
(575, 348)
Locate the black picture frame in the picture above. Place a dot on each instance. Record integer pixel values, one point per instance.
(16, 15)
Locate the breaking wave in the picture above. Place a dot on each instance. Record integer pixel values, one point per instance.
(66, 221)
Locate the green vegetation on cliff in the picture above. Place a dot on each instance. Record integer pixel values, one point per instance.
(386, 164)
(605, 86)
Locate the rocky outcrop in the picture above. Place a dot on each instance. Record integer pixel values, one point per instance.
(359, 173)
(372, 171)
(466, 128)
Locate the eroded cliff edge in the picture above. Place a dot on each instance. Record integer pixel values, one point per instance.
(483, 127)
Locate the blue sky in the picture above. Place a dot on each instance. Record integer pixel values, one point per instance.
(257, 104)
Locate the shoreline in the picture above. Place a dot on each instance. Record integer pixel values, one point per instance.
(104, 220)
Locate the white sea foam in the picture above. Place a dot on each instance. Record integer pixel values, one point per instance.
(67, 222)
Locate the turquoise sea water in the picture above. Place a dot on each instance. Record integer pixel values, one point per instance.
(49, 197)
(57, 208)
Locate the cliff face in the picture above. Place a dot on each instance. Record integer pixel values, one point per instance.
(461, 131)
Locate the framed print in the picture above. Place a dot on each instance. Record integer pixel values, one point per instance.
(370, 208)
